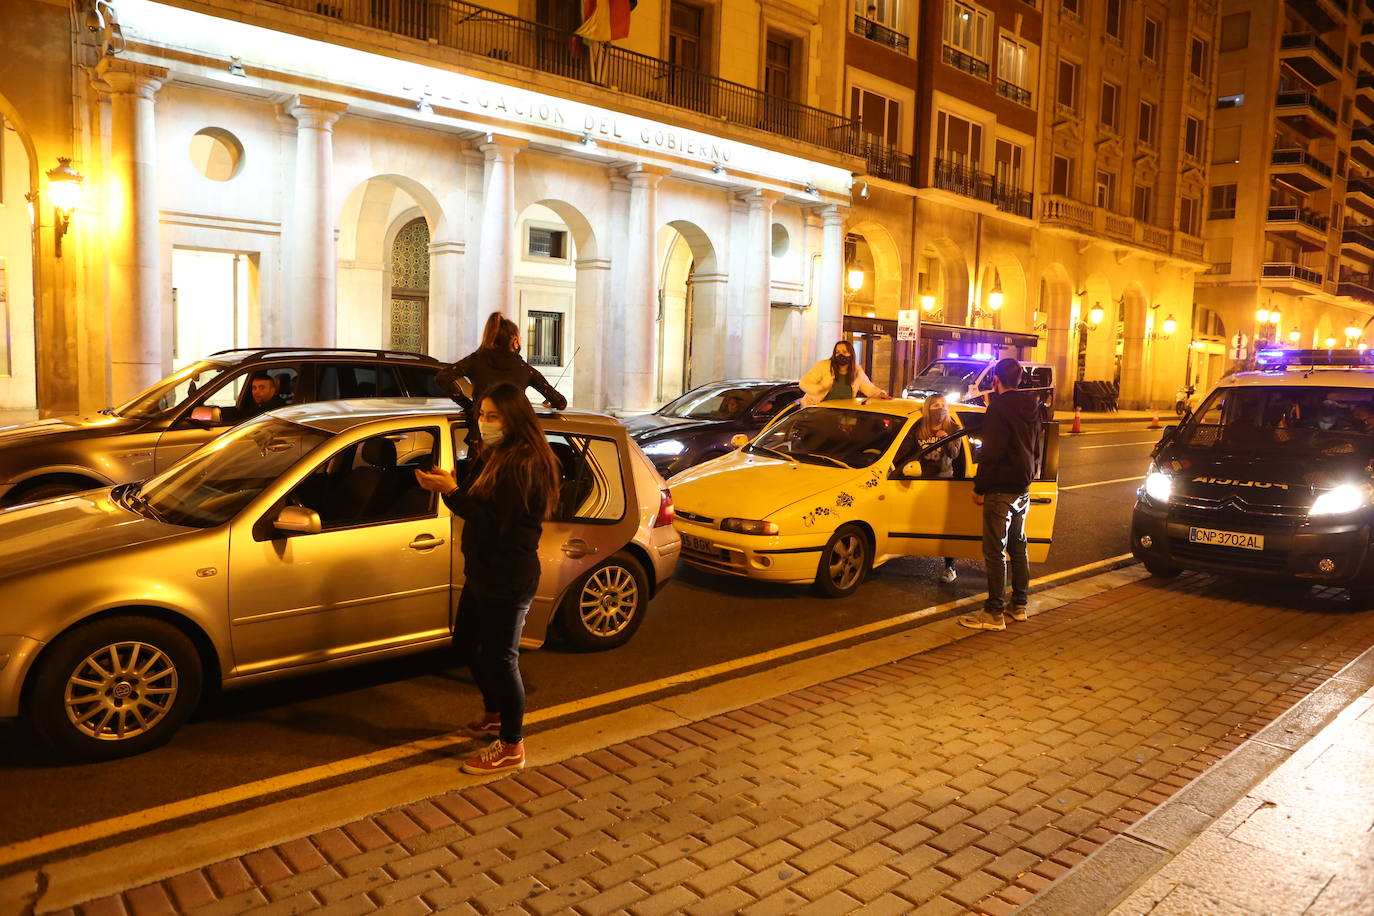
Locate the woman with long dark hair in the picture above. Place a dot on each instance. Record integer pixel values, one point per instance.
(497, 360)
(937, 424)
(838, 378)
(503, 492)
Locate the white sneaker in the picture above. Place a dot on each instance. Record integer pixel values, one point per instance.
(949, 575)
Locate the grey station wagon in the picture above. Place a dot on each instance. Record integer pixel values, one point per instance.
(187, 409)
(296, 542)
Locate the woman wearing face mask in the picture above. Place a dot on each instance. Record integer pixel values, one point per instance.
(936, 423)
(838, 378)
(502, 493)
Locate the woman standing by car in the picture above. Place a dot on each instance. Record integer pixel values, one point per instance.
(497, 360)
(507, 489)
(838, 378)
(936, 424)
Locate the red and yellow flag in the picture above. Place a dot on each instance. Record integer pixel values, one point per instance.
(605, 20)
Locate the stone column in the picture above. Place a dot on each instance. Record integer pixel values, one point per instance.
(641, 292)
(830, 296)
(710, 302)
(590, 319)
(496, 279)
(447, 330)
(311, 252)
(756, 312)
(132, 239)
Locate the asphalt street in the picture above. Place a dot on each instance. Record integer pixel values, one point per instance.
(264, 736)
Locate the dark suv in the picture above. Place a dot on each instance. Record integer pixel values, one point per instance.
(187, 409)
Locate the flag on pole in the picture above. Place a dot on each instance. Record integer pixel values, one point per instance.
(605, 20)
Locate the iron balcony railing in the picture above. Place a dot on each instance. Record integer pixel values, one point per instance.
(876, 31)
(1298, 40)
(1299, 157)
(1358, 235)
(1305, 100)
(966, 62)
(886, 162)
(1014, 92)
(509, 39)
(1360, 286)
(1285, 270)
(1299, 215)
(952, 176)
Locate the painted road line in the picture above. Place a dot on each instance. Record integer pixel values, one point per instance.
(1084, 448)
(201, 805)
(1101, 483)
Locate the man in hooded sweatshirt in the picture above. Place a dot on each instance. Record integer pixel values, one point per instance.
(1006, 467)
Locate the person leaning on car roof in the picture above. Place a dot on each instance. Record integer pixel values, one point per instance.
(496, 361)
(838, 378)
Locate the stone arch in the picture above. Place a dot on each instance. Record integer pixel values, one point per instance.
(1133, 357)
(886, 263)
(1004, 270)
(692, 346)
(1095, 345)
(371, 215)
(952, 280)
(18, 249)
(1057, 311)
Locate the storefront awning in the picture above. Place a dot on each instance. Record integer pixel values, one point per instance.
(974, 337)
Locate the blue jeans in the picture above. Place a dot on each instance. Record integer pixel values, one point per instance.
(1004, 534)
(486, 633)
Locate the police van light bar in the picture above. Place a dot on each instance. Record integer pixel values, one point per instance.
(1281, 358)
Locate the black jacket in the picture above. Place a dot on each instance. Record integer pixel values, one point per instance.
(489, 367)
(500, 541)
(1011, 443)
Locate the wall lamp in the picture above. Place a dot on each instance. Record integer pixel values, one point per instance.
(863, 188)
(1166, 327)
(1096, 314)
(64, 190)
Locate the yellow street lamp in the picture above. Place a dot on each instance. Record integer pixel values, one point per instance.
(856, 278)
(995, 297)
(1170, 325)
(1096, 314)
(928, 303)
(64, 190)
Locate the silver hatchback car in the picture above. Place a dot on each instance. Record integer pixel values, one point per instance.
(296, 542)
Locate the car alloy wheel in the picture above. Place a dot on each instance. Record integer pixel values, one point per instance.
(121, 691)
(844, 563)
(114, 687)
(605, 607)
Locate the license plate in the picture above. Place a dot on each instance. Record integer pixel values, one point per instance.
(700, 545)
(1226, 538)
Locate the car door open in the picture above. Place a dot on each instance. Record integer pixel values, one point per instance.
(932, 516)
(1044, 496)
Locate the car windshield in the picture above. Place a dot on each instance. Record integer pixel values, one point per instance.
(172, 391)
(943, 371)
(211, 485)
(1290, 420)
(718, 402)
(831, 436)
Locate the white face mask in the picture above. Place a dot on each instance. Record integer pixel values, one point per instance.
(492, 433)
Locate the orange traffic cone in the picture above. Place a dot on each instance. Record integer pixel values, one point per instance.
(1077, 420)
(1154, 420)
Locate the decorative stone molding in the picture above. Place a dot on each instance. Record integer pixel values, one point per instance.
(125, 77)
(315, 113)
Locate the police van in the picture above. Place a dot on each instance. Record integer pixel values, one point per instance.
(1271, 477)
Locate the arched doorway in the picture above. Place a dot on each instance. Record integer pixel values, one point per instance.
(18, 377)
(690, 327)
(1056, 315)
(942, 283)
(410, 288)
(546, 292)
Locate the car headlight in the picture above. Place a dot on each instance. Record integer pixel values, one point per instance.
(665, 447)
(748, 526)
(1158, 485)
(1348, 497)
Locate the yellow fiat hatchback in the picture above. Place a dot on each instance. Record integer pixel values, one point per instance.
(830, 492)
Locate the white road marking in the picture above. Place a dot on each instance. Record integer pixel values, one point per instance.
(1100, 483)
(1084, 448)
(201, 804)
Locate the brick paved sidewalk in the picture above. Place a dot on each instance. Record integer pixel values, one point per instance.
(965, 778)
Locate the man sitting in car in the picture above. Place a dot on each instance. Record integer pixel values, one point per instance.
(264, 392)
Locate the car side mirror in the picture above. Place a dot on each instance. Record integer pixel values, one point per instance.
(299, 520)
(206, 415)
(739, 440)
(912, 470)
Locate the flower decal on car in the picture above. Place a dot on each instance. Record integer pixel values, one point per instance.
(844, 500)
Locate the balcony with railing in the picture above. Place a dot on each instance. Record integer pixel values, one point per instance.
(1014, 92)
(1360, 192)
(1356, 285)
(1362, 138)
(1290, 277)
(1314, 59)
(1305, 112)
(967, 182)
(1364, 85)
(1305, 227)
(966, 62)
(1098, 222)
(1321, 18)
(887, 162)
(498, 36)
(883, 35)
(1300, 169)
(1360, 239)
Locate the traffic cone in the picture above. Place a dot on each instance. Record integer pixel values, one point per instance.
(1077, 420)
(1154, 421)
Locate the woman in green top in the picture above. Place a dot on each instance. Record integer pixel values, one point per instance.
(838, 378)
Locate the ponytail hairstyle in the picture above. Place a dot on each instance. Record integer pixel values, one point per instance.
(523, 456)
(491, 328)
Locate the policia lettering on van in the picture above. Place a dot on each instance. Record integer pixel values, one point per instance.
(1272, 477)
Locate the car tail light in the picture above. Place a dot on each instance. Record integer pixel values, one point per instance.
(665, 510)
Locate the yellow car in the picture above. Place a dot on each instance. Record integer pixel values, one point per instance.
(829, 492)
